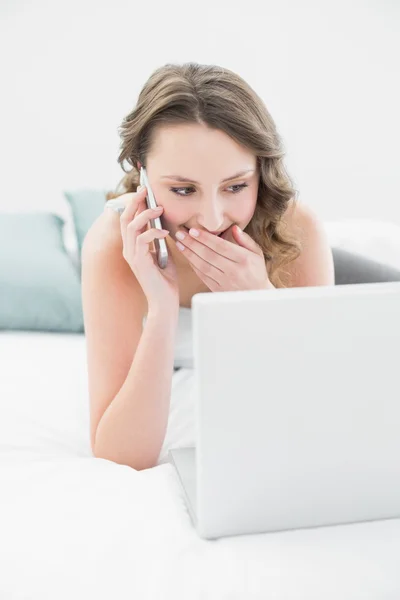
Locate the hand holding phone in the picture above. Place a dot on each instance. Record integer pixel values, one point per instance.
(160, 285)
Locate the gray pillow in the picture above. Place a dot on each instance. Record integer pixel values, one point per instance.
(39, 285)
(86, 205)
(355, 268)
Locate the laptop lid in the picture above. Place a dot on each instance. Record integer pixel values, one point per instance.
(184, 461)
(297, 407)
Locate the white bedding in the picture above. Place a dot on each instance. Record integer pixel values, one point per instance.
(73, 526)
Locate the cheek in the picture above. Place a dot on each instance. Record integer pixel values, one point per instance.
(245, 210)
(172, 211)
(174, 217)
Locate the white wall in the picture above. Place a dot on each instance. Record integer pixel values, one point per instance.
(327, 71)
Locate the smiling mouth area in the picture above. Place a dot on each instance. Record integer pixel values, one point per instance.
(217, 235)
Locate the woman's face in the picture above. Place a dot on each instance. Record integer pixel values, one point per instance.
(186, 170)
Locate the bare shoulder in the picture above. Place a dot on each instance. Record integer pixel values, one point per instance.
(300, 219)
(314, 266)
(104, 235)
(102, 256)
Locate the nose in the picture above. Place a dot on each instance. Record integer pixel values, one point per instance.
(212, 217)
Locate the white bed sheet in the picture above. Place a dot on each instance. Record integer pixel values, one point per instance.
(75, 526)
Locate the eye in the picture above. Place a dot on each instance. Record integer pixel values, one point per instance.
(175, 190)
(239, 187)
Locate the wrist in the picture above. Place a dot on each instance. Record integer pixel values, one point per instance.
(165, 313)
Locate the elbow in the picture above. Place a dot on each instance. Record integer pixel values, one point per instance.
(138, 462)
(138, 458)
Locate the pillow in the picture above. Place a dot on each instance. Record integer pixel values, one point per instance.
(86, 205)
(377, 240)
(39, 285)
(352, 267)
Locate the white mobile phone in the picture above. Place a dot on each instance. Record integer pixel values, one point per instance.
(159, 244)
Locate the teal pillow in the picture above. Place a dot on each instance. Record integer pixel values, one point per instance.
(86, 205)
(39, 285)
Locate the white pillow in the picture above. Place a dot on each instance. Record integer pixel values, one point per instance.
(377, 240)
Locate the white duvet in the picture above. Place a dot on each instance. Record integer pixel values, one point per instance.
(73, 526)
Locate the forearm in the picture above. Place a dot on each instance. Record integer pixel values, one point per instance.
(133, 427)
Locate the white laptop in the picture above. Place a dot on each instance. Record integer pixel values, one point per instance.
(297, 409)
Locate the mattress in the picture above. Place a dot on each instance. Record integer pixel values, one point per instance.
(72, 525)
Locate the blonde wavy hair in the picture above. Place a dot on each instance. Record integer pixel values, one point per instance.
(221, 99)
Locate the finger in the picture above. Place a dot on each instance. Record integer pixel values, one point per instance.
(126, 201)
(138, 226)
(150, 235)
(145, 239)
(141, 219)
(131, 207)
(142, 206)
(209, 267)
(206, 259)
(219, 245)
(212, 285)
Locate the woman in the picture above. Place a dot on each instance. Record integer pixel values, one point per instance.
(214, 161)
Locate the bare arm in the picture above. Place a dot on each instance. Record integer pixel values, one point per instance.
(132, 428)
(129, 367)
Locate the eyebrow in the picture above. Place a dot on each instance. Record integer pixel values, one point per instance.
(188, 180)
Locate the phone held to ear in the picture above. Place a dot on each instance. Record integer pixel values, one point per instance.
(159, 244)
